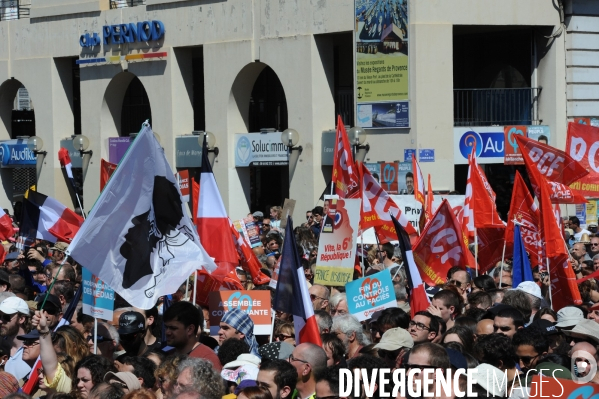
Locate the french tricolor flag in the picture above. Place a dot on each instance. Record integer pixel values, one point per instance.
(418, 298)
(291, 295)
(45, 218)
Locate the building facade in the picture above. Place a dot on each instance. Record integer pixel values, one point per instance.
(99, 68)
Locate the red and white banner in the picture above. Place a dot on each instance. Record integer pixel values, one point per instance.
(582, 144)
(183, 180)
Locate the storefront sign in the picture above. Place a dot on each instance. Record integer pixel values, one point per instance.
(98, 298)
(188, 152)
(369, 294)
(426, 155)
(384, 115)
(75, 155)
(140, 32)
(117, 147)
(491, 143)
(260, 149)
(255, 303)
(14, 153)
(337, 250)
(381, 40)
(328, 147)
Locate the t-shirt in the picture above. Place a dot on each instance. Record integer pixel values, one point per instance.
(16, 366)
(203, 352)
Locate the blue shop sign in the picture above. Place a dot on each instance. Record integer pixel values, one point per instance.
(14, 153)
(140, 32)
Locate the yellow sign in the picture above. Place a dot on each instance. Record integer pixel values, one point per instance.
(591, 212)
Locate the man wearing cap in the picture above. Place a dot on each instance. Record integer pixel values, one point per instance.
(533, 292)
(594, 313)
(58, 252)
(14, 313)
(125, 380)
(555, 338)
(131, 332)
(584, 331)
(52, 309)
(258, 216)
(393, 346)
(182, 321)
(238, 325)
(568, 317)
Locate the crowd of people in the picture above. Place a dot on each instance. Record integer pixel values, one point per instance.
(480, 323)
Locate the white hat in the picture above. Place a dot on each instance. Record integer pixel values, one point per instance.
(490, 377)
(569, 316)
(13, 305)
(530, 287)
(242, 360)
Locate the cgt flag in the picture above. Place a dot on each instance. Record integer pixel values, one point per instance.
(138, 238)
(291, 295)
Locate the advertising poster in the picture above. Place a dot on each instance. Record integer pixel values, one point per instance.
(330, 213)
(513, 155)
(255, 303)
(405, 178)
(98, 298)
(369, 294)
(260, 149)
(591, 212)
(381, 37)
(389, 177)
(581, 212)
(375, 170)
(394, 177)
(337, 250)
(253, 232)
(582, 144)
(539, 132)
(117, 147)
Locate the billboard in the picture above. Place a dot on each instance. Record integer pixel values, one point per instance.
(381, 77)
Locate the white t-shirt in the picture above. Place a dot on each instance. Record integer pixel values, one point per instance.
(578, 236)
(16, 366)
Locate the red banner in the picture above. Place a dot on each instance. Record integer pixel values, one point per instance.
(582, 144)
(490, 248)
(440, 247)
(106, 170)
(183, 177)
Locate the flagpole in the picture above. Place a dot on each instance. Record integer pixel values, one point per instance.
(272, 323)
(195, 287)
(549, 276)
(80, 206)
(187, 288)
(502, 259)
(476, 250)
(95, 336)
(362, 249)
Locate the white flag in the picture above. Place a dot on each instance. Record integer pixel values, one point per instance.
(138, 238)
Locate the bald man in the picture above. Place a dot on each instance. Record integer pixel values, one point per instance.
(580, 353)
(485, 327)
(309, 360)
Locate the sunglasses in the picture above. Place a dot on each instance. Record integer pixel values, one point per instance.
(264, 224)
(100, 338)
(7, 317)
(417, 366)
(30, 342)
(527, 359)
(283, 337)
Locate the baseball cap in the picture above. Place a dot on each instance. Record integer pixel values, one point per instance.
(569, 316)
(243, 373)
(258, 214)
(33, 334)
(11, 256)
(530, 287)
(585, 328)
(131, 323)
(456, 359)
(489, 378)
(60, 246)
(394, 339)
(13, 305)
(126, 377)
(595, 306)
(242, 360)
(52, 300)
(544, 326)
(375, 316)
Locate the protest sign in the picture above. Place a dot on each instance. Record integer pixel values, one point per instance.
(582, 144)
(183, 180)
(255, 303)
(250, 231)
(591, 212)
(369, 294)
(98, 298)
(329, 213)
(337, 250)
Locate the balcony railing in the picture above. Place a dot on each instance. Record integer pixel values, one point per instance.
(126, 3)
(487, 107)
(14, 9)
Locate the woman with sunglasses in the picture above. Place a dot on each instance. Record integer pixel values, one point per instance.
(285, 332)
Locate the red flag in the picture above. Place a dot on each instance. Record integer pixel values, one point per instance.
(247, 259)
(6, 229)
(344, 169)
(106, 170)
(429, 201)
(418, 182)
(490, 247)
(524, 210)
(552, 168)
(377, 206)
(564, 289)
(440, 247)
(483, 198)
(582, 144)
(467, 214)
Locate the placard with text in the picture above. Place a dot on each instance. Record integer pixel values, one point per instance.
(255, 303)
(369, 294)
